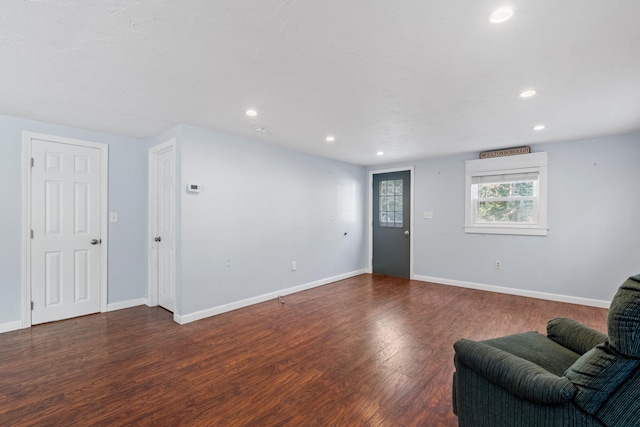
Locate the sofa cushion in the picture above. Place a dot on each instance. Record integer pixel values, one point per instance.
(538, 349)
(597, 373)
(518, 376)
(623, 322)
(574, 335)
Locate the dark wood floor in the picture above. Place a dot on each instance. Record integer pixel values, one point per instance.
(367, 351)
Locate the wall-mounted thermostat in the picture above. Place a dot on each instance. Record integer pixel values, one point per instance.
(193, 188)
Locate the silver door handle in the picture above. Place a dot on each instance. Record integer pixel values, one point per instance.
(158, 239)
(96, 241)
(406, 233)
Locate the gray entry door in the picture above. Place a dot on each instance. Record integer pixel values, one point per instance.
(391, 223)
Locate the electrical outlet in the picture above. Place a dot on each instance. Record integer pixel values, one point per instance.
(498, 264)
(294, 266)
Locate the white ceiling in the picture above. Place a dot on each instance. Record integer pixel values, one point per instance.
(413, 78)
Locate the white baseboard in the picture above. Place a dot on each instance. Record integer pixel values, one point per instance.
(126, 304)
(191, 317)
(11, 326)
(519, 292)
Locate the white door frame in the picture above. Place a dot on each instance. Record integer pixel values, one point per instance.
(27, 137)
(152, 265)
(370, 223)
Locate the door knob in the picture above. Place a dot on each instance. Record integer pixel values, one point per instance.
(95, 241)
(158, 239)
(406, 233)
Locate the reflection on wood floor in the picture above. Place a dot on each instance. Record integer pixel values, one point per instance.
(366, 351)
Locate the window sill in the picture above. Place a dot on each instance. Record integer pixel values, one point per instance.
(492, 229)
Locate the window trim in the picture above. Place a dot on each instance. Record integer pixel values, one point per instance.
(519, 164)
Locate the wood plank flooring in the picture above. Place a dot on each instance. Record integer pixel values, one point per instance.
(367, 351)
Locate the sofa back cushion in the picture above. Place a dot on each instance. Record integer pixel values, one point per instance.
(603, 369)
(597, 373)
(622, 408)
(623, 322)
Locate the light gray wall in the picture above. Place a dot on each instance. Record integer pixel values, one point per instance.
(262, 207)
(127, 196)
(593, 214)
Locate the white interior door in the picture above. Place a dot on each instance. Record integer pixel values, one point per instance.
(66, 255)
(162, 212)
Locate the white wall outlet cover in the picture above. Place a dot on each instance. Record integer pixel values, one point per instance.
(113, 216)
(193, 188)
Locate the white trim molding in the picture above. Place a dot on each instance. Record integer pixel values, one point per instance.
(513, 291)
(506, 169)
(198, 315)
(10, 326)
(127, 304)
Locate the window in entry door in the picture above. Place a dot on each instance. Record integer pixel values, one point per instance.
(390, 206)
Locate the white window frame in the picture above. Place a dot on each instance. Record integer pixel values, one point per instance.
(504, 166)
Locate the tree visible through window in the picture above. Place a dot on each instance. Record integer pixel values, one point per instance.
(391, 194)
(506, 201)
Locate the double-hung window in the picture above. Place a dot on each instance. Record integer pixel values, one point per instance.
(507, 195)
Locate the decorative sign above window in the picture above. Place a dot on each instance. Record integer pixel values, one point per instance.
(506, 152)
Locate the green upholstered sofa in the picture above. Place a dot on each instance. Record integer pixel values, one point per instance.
(573, 376)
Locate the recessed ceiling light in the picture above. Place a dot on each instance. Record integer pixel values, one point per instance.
(527, 93)
(252, 113)
(379, 153)
(538, 127)
(330, 138)
(501, 15)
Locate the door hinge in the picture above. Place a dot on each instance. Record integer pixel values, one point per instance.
(31, 305)
(32, 233)
(31, 162)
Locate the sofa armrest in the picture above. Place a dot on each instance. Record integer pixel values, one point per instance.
(574, 335)
(521, 377)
